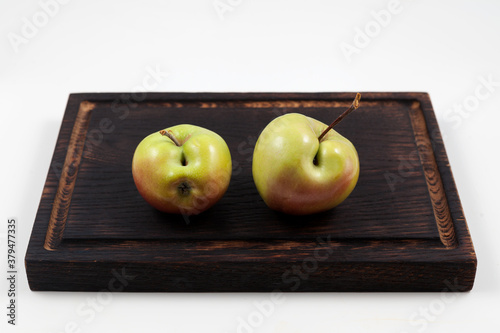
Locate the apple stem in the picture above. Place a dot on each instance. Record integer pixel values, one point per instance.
(171, 136)
(354, 106)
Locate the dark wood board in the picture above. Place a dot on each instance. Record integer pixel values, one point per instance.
(402, 228)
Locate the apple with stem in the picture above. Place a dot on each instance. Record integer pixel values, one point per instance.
(302, 166)
(184, 169)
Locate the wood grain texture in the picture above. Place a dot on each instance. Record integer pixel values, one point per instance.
(107, 165)
(62, 201)
(402, 229)
(433, 178)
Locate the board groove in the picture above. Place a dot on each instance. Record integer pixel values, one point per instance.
(431, 172)
(67, 180)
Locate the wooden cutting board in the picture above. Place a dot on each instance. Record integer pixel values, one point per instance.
(402, 228)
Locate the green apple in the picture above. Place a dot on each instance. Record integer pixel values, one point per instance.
(302, 166)
(184, 169)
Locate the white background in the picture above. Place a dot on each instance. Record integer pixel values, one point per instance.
(443, 48)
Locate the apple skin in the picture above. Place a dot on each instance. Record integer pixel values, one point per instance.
(285, 171)
(186, 179)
